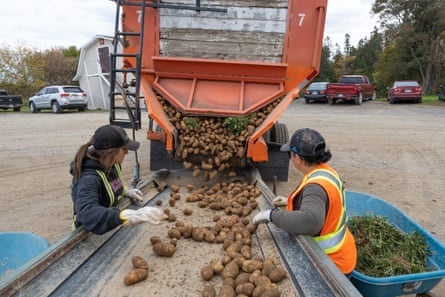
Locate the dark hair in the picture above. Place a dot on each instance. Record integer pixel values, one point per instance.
(323, 157)
(87, 150)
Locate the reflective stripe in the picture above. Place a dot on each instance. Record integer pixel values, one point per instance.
(331, 242)
(108, 186)
(110, 192)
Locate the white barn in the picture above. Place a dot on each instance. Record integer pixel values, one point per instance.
(93, 71)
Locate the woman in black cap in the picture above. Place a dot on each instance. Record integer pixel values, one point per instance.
(317, 206)
(98, 185)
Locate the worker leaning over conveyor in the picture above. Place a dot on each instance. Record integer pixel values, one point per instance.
(98, 186)
(317, 206)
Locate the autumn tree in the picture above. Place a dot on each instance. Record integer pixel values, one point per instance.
(415, 27)
(21, 69)
(24, 70)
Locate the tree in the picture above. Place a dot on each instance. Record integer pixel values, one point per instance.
(21, 69)
(417, 26)
(24, 71)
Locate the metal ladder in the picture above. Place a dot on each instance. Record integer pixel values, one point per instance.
(125, 109)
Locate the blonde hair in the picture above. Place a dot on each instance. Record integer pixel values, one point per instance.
(104, 157)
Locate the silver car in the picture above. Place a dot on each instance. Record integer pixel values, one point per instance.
(59, 98)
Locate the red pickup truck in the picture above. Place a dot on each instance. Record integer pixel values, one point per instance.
(351, 87)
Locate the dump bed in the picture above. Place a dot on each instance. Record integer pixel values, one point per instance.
(223, 58)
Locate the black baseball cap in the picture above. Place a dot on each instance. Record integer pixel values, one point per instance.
(111, 136)
(305, 142)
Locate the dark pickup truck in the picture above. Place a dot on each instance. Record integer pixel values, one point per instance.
(351, 87)
(10, 101)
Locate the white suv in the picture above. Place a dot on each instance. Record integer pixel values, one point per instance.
(58, 98)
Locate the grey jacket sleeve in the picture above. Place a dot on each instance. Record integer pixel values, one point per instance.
(309, 219)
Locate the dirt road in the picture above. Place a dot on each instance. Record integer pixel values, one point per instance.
(396, 152)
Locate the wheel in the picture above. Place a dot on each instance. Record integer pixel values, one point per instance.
(419, 100)
(359, 99)
(82, 109)
(331, 101)
(391, 100)
(374, 96)
(33, 108)
(16, 109)
(56, 107)
(307, 100)
(280, 133)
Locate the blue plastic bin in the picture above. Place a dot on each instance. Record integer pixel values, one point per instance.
(363, 204)
(17, 248)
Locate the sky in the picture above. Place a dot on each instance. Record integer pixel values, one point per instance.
(45, 24)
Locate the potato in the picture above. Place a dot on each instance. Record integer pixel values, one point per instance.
(242, 278)
(271, 292)
(187, 211)
(158, 202)
(174, 233)
(231, 270)
(164, 249)
(252, 265)
(174, 188)
(208, 291)
(268, 266)
(139, 262)
(226, 291)
(135, 276)
(155, 239)
(217, 266)
(207, 272)
(278, 274)
(245, 289)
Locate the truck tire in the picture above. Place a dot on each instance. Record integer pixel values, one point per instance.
(55, 107)
(277, 167)
(374, 96)
(33, 108)
(359, 99)
(331, 101)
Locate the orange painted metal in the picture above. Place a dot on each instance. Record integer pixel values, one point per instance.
(218, 87)
(212, 87)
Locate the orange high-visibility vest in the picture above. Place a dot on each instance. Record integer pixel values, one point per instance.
(335, 238)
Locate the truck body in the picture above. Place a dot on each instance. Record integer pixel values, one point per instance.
(218, 59)
(7, 101)
(356, 88)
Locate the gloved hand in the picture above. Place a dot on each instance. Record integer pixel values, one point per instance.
(279, 201)
(147, 214)
(262, 217)
(135, 195)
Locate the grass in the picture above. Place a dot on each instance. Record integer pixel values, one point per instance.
(426, 100)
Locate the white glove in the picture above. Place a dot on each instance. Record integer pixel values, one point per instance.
(135, 195)
(147, 214)
(262, 217)
(280, 201)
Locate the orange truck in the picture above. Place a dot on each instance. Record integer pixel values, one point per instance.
(218, 59)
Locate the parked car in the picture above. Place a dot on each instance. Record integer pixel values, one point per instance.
(10, 101)
(316, 91)
(442, 92)
(405, 90)
(59, 98)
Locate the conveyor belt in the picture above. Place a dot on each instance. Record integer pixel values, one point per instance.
(88, 267)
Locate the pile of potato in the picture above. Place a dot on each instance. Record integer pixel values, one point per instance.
(213, 143)
(242, 273)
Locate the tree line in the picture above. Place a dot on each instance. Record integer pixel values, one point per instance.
(24, 71)
(409, 45)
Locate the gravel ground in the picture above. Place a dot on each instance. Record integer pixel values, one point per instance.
(396, 152)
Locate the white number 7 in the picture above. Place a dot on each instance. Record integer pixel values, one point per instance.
(301, 16)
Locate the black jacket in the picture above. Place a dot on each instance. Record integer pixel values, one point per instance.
(91, 201)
